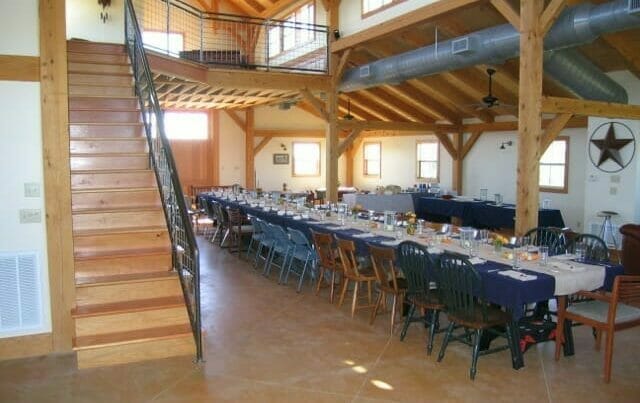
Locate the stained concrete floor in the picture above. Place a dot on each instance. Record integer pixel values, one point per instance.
(266, 343)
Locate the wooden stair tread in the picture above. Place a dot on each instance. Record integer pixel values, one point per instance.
(106, 190)
(107, 124)
(111, 231)
(127, 306)
(132, 154)
(124, 209)
(134, 336)
(72, 54)
(114, 110)
(128, 253)
(124, 278)
(111, 171)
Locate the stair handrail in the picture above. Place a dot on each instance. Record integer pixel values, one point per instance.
(185, 253)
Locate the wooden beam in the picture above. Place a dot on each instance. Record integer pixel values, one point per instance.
(471, 141)
(331, 129)
(508, 12)
(574, 122)
(550, 15)
(552, 131)
(348, 141)
(590, 108)
(249, 157)
(261, 145)
(458, 162)
(626, 49)
(447, 144)
(309, 109)
(290, 133)
(530, 116)
(316, 103)
(236, 119)
(19, 68)
(344, 58)
(402, 126)
(403, 22)
(57, 173)
(214, 144)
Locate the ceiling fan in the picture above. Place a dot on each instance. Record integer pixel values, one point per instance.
(491, 101)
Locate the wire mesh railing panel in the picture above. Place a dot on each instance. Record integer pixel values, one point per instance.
(180, 30)
(185, 254)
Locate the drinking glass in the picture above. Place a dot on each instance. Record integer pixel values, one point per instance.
(399, 233)
(483, 194)
(546, 204)
(515, 262)
(420, 226)
(484, 236)
(580, 251)
(544, 255)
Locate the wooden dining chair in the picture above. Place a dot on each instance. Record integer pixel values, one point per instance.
(595, 247)
(387, 282)
(551, 237)
(422, 288)
(605, 313)
(466, 305)
(239, 228)
(355, 274)
(327, 262)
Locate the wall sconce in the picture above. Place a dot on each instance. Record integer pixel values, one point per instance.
(104, 15)
(284, 148)
(509, 143)
(336, 34)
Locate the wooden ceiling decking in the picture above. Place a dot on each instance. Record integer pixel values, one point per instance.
(448, 97)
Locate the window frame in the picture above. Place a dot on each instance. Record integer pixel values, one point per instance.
(164, 51)
(282, 29)
(364, 15)
(364, 159)
(555, 189)
(189, 111)
(293, 159)
(437, 143)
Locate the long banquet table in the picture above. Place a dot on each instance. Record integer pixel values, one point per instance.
(481, 214)
(534, 284)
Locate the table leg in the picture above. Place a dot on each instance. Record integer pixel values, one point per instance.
(517, 359)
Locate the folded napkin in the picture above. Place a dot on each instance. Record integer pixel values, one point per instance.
(566, 266)
(434, 251)
(364, 235)
(517, 275)
(477, 260)
(395, 242)
(297, 217)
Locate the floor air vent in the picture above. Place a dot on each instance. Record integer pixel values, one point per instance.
(20, 292)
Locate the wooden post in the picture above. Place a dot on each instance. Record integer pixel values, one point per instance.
(57, 182)
(331, 136)
(458, 162)
(214, 146)
(530, 115)
(249, 155)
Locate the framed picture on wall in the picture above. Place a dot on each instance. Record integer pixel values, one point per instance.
(280, 159)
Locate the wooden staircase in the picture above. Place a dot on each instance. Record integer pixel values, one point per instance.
(129, 303)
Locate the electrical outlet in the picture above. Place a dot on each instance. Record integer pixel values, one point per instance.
(32, 189)
(30, 216)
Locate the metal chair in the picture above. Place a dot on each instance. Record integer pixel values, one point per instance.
(466, 306)
(387, 281)
(256, 236)
(265, 244)
(279, 252)
(422, 293)
(595, 247)
(548, 236)
(301, 253)
(354, 273)
(608, 313)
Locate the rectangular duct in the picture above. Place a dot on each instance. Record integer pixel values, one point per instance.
(20, 292)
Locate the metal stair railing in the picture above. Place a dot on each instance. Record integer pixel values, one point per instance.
(185, 254)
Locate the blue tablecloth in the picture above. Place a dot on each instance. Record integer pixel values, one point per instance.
(481, 214)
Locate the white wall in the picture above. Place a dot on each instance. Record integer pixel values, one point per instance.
(231, 152)
(398, 163)
(351, 14)
(21, 137)
(486, 166)
(83, 21)
(599, 185)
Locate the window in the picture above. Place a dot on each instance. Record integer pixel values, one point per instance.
(156, 40)
(291, 34)
(373, 6)
(186, 125)
(553, 166)
(306, 159)
(428, 153)
(371, 154)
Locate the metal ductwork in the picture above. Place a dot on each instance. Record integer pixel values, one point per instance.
(575, 26)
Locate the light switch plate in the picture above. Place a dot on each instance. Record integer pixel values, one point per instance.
(30, 216)
(32, 189)
(615, 178)
(613, 190)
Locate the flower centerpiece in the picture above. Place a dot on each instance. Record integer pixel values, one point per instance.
(498, 242)
(411, 219)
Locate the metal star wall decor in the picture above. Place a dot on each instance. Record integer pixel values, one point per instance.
(613, 146)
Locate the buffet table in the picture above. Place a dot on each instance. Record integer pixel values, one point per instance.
(401, 202)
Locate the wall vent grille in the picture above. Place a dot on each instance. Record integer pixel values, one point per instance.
(20, 292)
(460, 46)
(364, 71)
